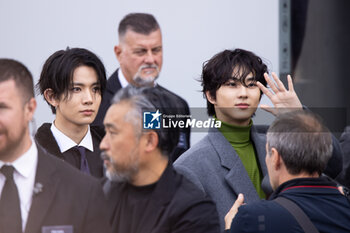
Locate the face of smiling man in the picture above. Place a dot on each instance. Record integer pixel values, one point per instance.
(140, 57)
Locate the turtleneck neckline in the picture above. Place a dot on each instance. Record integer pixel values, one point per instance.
(237, 135)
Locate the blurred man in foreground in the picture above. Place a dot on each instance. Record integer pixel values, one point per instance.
(144, 192)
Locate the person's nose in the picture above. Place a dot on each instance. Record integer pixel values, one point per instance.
(149, 59)
(88, 97)
(243, 93)
(103, 143)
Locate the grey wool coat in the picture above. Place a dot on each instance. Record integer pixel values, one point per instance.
(214, 166)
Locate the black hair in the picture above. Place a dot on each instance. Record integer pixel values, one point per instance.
(58, 70)
(138, 22)
(13, 70)
(219, 69)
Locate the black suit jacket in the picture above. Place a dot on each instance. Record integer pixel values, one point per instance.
(46, 139)
(113, 85)
(67, 198)
(176, 205)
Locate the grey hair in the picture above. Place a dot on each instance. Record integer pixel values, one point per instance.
(138, 103)
(148, 99)
(303, 142)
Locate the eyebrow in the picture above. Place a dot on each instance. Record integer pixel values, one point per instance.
(250, 79)
(110, 126)
(82, 84)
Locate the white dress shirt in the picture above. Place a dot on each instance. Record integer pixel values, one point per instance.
(122, 79)
(65, 143)
(24, 177)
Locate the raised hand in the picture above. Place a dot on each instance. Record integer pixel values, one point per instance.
(283, 100)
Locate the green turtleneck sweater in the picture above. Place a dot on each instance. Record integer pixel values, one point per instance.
(239, 137)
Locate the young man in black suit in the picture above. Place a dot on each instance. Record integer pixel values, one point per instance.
(72, 82)
(140, 55)
(39, 193)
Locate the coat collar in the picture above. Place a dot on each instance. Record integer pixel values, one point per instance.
(45, 137)
(237, 177)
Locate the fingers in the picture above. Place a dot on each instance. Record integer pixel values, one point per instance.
(233, 211)
(269, 109)
(270, 83)
(240, 200)
(264, 90)
(278, 82)
(280, 86)
(290, 83)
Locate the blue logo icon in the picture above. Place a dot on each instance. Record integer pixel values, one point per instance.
(151, 120)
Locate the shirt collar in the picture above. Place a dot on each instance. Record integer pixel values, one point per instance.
(303, 182)
(65, 143)
(27, 162)
(122, 79)
(124, 82)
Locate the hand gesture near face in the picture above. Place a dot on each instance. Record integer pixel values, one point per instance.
(284, 100)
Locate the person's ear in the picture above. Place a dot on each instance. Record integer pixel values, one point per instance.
(151, 141)
(210, 98)
(29, 109)
(118, 52)
(276, 159)
(50, 97)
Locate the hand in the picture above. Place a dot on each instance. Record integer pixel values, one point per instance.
(233, 211)
(283, 100)
(344, 190)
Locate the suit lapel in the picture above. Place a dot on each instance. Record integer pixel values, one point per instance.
(45, 138)
(259, 141)
(114, 83)
(43, 199)
(237, 177)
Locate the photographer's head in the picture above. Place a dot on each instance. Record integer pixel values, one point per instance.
(298, 145)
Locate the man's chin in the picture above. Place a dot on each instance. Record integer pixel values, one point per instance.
(145, 81)
(115, 177)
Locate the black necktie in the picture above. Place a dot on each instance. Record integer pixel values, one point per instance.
(10, 210)
(84, 166)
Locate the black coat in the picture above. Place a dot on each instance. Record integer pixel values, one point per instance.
(67, 198)
(344, 177)
(46, 139)
(113, 85)
(319, 198)
(176, 205)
